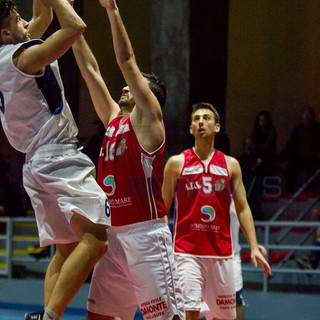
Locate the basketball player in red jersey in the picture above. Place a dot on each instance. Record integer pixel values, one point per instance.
(139, 269)
(202, 180)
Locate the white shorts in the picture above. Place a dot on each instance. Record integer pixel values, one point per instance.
(210, 280)
(237, 272)
(137, 270)
(60, 180)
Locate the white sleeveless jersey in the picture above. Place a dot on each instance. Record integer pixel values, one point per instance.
(34, 110)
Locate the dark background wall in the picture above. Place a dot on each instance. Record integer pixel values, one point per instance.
(178, 41)
(242, 56)
(273, 64)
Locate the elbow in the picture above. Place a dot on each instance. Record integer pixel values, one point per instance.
(77, 31)
(81, 28)
(125, 59)
(77, 28)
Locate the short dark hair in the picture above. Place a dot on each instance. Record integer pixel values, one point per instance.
(206, 105)
(157, 87)
(6, 6)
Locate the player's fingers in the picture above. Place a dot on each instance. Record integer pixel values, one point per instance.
(262, 250)
(254, 261)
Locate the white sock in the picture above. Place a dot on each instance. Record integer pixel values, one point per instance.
(50, 315)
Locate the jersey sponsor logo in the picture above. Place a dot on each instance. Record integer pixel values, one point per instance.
(1, 102)
(110, 185)
(123, 129)
(122, 147)
(226, 301)
(110, 131)
(204, 227)
(218, 170)
(193, 170)
(120, 202)
(207, 184)
(154, 308)
(209, 212)
(112, 150)
(192, 186)
(220, 185)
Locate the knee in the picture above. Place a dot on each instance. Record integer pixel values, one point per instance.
(97, 247)
(63, 251)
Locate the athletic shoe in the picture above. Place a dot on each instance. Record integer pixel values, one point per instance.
(34, 315)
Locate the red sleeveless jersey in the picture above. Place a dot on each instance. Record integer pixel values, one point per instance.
(130, 176)
(202, 207)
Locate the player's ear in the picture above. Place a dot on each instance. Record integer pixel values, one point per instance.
(190, 129)
(217, 127)
(5, 35)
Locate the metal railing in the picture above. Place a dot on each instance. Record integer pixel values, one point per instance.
(297, 221)
(281, 267)
(8, 242)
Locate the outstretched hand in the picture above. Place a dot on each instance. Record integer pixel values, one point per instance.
(108, 4)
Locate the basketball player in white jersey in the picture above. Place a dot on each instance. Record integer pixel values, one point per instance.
(138, 269)
(202, 181)
(70, 207)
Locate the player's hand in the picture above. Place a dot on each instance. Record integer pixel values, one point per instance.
(108, 4)
(257, 257)
(262, 250)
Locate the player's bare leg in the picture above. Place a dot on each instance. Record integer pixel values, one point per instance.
(76, 268)
(53, 271)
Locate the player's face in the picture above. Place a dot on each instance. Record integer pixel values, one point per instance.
(203, 123)
(126, 100)
(18, 28)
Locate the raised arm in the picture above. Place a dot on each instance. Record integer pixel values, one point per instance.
(105, 106)
(244, 214)
(33, 59)
(41, 18)
(147, 115)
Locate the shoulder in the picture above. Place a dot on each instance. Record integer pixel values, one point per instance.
(20, 47)
(230, 159)
(232, 164)
(176, 159)
(175, 163)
